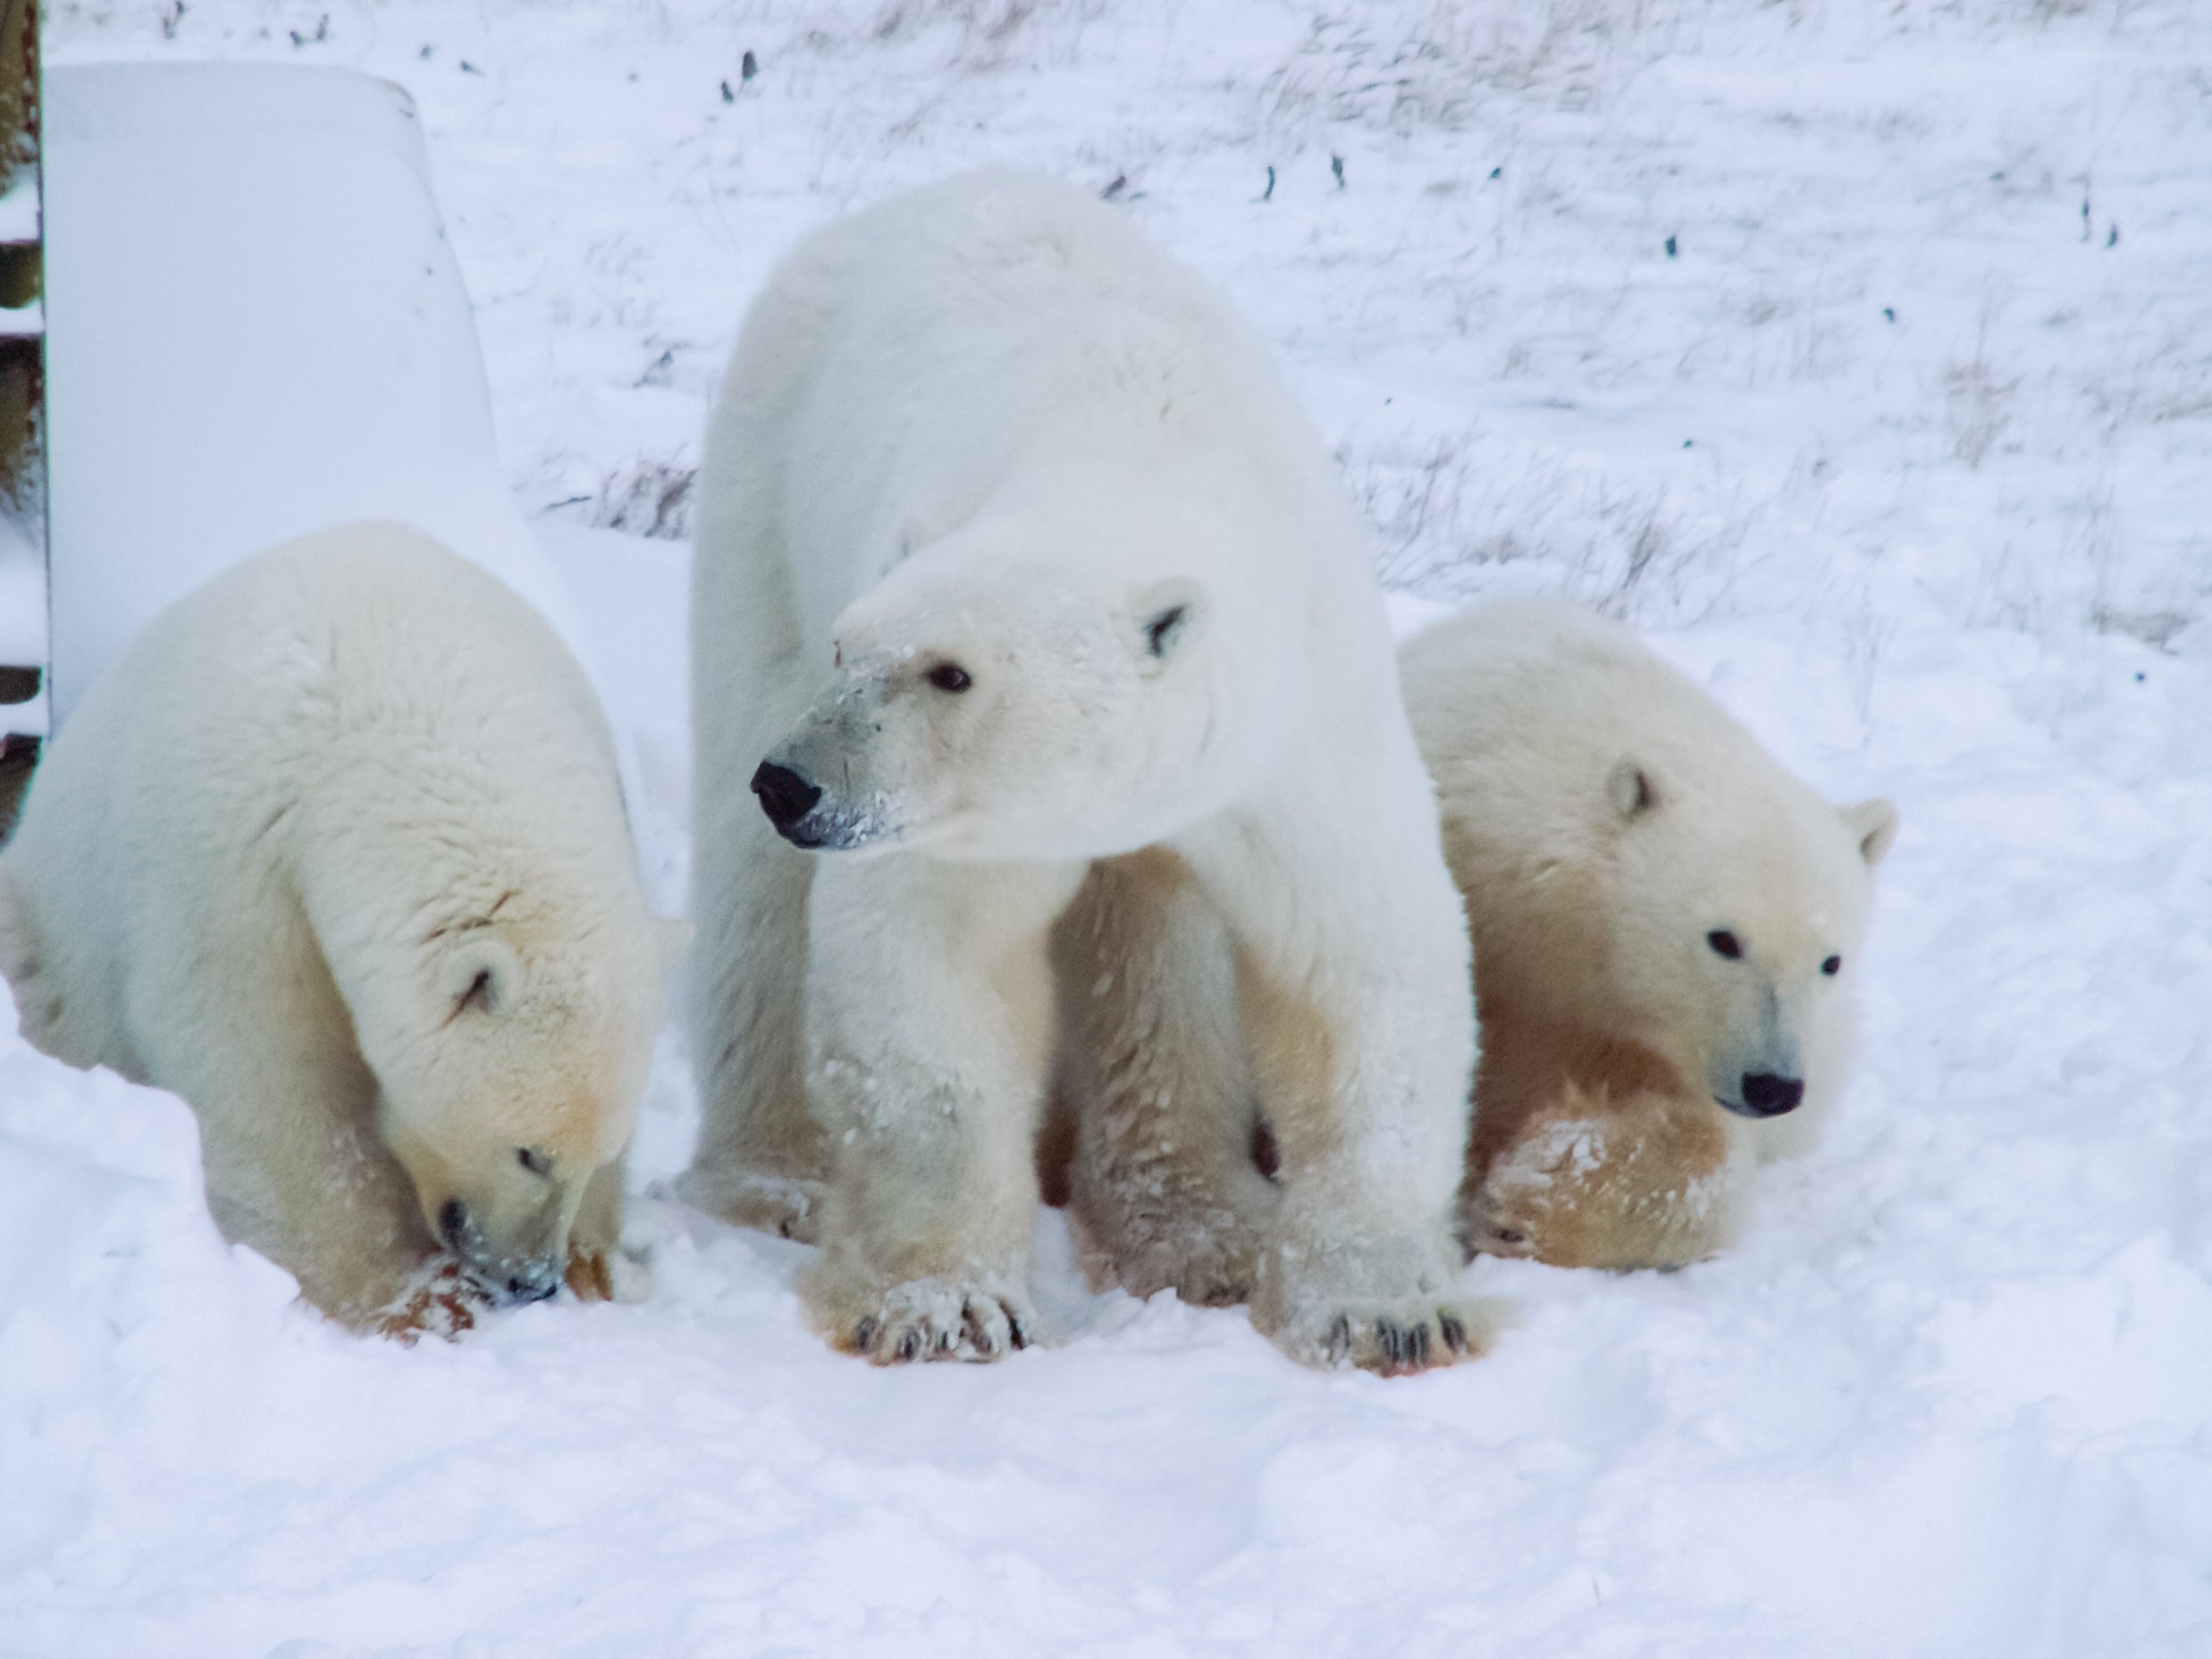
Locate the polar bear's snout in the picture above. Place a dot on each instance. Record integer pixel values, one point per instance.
(787, 798)
(825, 787)
(1764, 1076)
(808, 817)
(1768, 1095)
(525, 1278)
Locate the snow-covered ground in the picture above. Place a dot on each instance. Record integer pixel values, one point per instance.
(1864, 351)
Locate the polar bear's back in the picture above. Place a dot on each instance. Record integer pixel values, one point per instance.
(1000, 336)
(1008, 287)
(361, 677)
(289, 660)
(1524, 710)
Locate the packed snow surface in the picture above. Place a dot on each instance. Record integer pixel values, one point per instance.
(1862, 353)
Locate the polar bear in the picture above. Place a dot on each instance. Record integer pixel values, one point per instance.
(336, 852)
(1667, 928)
(1015, 554)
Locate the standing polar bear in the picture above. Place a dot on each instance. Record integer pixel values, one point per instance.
(336, 853)
(1015, 554)
(1667, 928)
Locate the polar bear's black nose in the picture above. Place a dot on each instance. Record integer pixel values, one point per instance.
(1765, 1095)
(535, 1282)
(784, 797)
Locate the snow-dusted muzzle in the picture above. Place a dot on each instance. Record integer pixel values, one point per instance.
(807, 818)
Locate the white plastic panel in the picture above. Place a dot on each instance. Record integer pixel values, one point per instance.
(256, 328)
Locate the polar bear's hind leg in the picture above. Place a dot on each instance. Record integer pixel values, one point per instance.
(1164, 1190)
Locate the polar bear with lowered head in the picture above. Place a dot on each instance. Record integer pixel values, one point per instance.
(336, 852)
(1667, 928)
(1015, 554)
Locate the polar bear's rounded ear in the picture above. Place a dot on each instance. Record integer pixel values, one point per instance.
(482, 975)
(1874, 825)
(1631, 790)
(1167, 617)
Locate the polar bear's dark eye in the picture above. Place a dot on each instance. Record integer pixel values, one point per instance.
(1160, 632)
(1725, 943)
(534, 1159)
(1832, 966)
(949, 677)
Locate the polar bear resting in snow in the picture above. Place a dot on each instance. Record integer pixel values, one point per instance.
(336, 853)
(1666, 925)
(1015, 554)
(1667, 928)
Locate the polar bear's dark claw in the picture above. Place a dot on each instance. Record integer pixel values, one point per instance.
(1396, 1341)
(909, 1345)
(865, 1336)
(1016, 1334)
(1404, 1349)
(1454, 1332)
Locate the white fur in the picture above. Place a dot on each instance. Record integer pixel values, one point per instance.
(984, 425)
(1602, 817)
(1605, 818)
(336, 853)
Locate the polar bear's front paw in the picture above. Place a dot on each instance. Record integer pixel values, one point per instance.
(1661, 1188)
(1395, 1339)
(607, 1273)
(1379, 1301)
(442, 1300)
(924, 1319)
